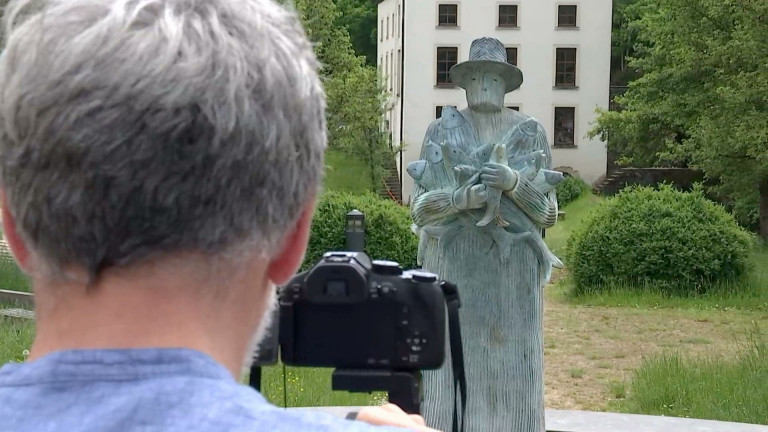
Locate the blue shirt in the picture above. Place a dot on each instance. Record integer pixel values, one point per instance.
(143, 390)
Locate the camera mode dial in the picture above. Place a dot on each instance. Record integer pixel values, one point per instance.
(387, 268)
(426, 277)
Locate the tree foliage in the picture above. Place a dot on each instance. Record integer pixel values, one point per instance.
(702, 99)
(360, 18)
(623, 39)
(355, 95)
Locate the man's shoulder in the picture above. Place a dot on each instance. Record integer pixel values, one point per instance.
(153, 398)
(240, 408)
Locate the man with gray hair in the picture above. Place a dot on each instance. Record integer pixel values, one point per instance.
(159, 162)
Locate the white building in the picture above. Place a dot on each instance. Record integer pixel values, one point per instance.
(562, 47)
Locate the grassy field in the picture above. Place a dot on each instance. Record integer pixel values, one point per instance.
(709, 387)
(651, 353)
(345, 174)
(15, 337)
(11, 277)
(309, 387)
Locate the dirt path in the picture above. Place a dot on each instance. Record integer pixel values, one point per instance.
(590, 352)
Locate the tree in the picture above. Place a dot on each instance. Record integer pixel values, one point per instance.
(702, 99)
(623, 40)
(360, 18)
(358, 123)
(355, 97)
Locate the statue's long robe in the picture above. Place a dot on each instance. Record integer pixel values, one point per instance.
(502, 300)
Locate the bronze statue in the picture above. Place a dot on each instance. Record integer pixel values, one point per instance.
(483, 194)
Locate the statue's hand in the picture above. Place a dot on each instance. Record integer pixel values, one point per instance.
(470, 196)
(498, 176)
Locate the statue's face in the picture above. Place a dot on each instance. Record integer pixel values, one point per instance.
(485, 91)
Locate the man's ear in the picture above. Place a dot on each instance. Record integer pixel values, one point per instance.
(18, 248)
(287, 262)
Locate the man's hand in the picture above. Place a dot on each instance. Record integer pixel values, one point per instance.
(392, 415)
(498, 176)
(470, 196)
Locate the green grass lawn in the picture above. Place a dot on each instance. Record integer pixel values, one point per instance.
(557, 236)
(15, 336)
(346, 174)
(12, 278)
(310, 387)
(704, 387)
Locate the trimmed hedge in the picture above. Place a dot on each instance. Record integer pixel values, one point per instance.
(675, 241)
(387, 234)
(570, 189)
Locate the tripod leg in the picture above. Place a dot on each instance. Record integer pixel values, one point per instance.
(255, 379)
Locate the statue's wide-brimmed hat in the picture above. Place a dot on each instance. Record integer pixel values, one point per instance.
(487, 54)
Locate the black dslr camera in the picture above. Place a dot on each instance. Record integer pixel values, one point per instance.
(376, 324)
(348, 312)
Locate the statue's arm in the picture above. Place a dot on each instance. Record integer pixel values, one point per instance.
(540, 207)
(431, 207)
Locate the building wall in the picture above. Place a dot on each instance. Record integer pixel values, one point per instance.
(536, 38)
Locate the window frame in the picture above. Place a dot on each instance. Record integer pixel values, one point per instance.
(438, 15)
(555, 143)
(557, 62)
(499, 25)
(517, 54)
(436, 52)
(575, 17)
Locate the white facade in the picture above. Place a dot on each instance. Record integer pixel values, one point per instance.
(537, 37)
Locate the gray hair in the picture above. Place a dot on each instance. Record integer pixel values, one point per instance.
(130, 128)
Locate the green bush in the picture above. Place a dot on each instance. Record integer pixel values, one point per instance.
(678, 242)
(388, 234)
(570, 189)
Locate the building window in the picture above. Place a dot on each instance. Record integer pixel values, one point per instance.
(399, 17)
(393, 24)
(446, 59)
(393, 74)
(512, 56)
(399, 72)
(381, 31)
(566, 16)
(386, 70)
(387, 28)
(438, 111)
(565, 75)
(565, 119)
(514, 107)
(507, 15)
(448, 15)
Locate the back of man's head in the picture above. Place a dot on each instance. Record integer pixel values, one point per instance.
(135, 128)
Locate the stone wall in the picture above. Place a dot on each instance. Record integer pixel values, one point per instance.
(681, 178)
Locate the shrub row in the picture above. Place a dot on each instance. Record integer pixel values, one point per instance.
(388, 234)
(570, 189)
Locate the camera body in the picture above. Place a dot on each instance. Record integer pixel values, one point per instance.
(353, 313)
